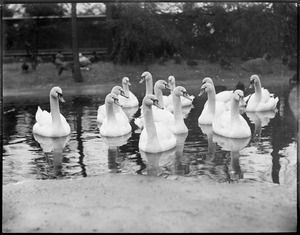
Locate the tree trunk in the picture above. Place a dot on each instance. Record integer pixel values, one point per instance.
(76, 67)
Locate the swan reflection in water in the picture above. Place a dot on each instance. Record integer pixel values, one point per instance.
(53, 146)
(180, 166)
(260, 120)
(156, 161)
(233, 145)
(113, 152)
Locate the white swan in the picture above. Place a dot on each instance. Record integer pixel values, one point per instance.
(155, 137)
(52, 124)
(114, 124)
(169, 100)
(225, 96)
(212, 107)
(261, 100)
(131, 101)
(101, 114)
(160, 115)
(147, 77)
(230, 123)
(179, 126)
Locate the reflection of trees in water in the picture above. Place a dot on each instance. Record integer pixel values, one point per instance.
(78, 104)
(284, 132)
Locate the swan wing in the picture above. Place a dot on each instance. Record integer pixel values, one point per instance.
(101, 114)
(224, 96)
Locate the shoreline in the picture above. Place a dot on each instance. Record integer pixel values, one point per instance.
(134, 203)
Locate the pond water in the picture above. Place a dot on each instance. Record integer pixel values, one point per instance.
(270, 154)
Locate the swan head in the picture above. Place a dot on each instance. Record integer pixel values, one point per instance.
(150, 100)
(207, 80)
(181, 91)
(125, 81)
(239, 96)
(206, 87)
(80, 55)
(145, 76)
(56, 93)
(254, 79)
(112, 98)
(118, 91)
(161, 84)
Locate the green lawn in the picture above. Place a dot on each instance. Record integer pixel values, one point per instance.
(46, 75)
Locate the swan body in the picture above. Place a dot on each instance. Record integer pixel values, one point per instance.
(212, 108)
(230, 123)
(160, 115)
(169, 99)
(101, 114)
(261, 100)
(131, 101)
(52, 124)
(225, 96)
(155, 136)
(114, 124)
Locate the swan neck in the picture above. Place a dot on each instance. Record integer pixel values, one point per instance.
(177, 109)
(54, 109)
(149, 122)
(126, 89)
(211, 100)
(149, 86)
(110, 114)
(257, 88)
(159, 95)
(234, 109)
(172, 86)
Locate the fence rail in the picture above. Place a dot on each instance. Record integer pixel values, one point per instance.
(47, 52)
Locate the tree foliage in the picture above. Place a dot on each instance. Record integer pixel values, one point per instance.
(230, 29)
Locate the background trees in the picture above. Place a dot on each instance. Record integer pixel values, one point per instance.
(143, 31)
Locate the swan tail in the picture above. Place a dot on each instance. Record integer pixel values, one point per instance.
(38, 113)
(139, 122)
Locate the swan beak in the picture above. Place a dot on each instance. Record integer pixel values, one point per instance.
(129, 84)
(116, 101)
(61, 98)
(201, 92)
(251, 84)
(155, 103)
(167, 86)
(187, 96)
(123, 94)
(242, 101)
(142, 79)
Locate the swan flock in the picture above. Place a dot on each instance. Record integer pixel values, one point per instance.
(162, 117)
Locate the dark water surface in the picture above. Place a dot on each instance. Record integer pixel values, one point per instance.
(269, 155)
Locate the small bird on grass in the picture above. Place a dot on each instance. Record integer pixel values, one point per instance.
(225, 64)
(25, 67)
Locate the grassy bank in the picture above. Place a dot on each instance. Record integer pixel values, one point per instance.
(105, 73)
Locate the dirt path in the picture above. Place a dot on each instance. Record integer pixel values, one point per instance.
(125, 203)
